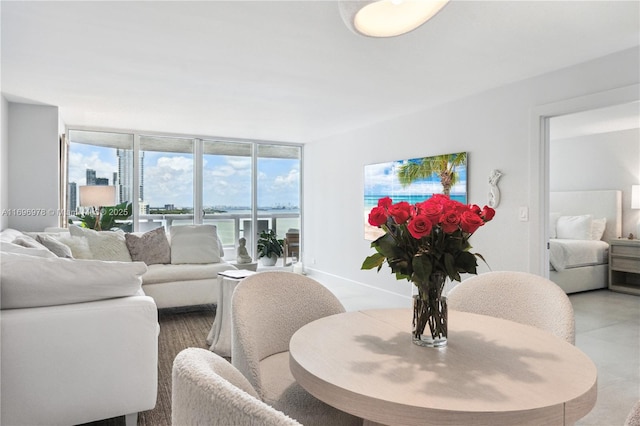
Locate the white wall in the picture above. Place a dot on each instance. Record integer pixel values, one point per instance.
(493, 127)
(32, 165)
(4, 160)
(601, 161)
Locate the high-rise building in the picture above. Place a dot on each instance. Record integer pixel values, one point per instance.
(102, 181)
(125, 175)
(91, 177)
(72, 196)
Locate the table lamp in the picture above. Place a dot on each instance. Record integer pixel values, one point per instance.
(635, 204)
(97, 196)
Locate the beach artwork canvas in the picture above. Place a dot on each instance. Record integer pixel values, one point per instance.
(414, 180)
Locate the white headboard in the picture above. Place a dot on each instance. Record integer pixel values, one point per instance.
(596, 203)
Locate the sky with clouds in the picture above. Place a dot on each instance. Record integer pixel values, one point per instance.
(168, 177)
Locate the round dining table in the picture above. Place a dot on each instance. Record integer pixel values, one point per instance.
(492, 372)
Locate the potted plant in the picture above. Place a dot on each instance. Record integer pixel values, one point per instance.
(269, 247)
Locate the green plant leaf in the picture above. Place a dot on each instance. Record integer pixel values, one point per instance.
(375, 260)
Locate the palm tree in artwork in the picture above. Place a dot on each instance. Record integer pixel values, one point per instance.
(443, 166)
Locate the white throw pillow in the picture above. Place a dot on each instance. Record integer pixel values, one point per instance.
(574, 227)
(597, 228)
(33, 281)
(104, 245)
(194, 244)
(79, 246)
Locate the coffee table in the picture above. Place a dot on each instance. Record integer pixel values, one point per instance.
(493, 371)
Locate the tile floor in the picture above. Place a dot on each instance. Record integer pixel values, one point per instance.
(607, 330)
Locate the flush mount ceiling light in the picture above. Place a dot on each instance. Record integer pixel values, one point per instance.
(388, 18)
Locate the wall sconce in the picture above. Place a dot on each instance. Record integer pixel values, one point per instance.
(494, 191)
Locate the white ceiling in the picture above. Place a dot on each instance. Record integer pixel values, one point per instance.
(603, 120)
(285, 71)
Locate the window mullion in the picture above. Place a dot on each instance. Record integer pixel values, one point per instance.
(198, 208)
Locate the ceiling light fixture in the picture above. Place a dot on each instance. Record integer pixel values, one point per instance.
(388, 18)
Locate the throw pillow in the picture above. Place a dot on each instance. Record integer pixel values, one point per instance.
(56, 247)
(151, 247)
(33, 281)
(79, 246)
(104, 245)
(574, 227)
(194, 244)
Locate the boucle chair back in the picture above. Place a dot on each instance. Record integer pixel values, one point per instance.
(208, 390)
(633, 418)
(517, 296)
(266, 309)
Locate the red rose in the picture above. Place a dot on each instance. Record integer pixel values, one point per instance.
(419, 226)
(385, 202)
(450, 221)
(439, 199)
(488, 213)
(377, 216)
(474, 208)
(470, 221)
(400, 212)
(432, 210)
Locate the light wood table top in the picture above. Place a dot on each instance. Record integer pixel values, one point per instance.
(492, 372)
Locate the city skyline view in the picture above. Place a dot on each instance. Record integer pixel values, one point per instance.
(168, 177)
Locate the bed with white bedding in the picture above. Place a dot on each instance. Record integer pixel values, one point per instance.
(580, 226)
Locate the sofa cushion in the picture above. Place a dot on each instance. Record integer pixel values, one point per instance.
(194, 244)
(56, 247)
(29, 281)
(104, 245)
(151, 247)
(6, 247)
(160, 273)
(9, 234)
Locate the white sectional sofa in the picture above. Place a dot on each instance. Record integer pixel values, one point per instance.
(182, 266)
(79, 341)
(79, 324)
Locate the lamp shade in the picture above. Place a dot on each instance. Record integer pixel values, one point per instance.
(97, 195)
(635, 196)
(387, 18)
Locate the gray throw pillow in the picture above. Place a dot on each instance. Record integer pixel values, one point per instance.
(151, 247)
(58, 248)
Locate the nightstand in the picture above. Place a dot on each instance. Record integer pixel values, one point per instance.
(624, 266)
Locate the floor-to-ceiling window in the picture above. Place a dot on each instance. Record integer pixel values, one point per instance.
(166, 182)
(243, 187)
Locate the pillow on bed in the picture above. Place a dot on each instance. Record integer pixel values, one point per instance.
(553, 223)
(597, 228)
(574, 227)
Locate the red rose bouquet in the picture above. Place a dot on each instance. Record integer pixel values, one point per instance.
(425, 243)
(428, 237)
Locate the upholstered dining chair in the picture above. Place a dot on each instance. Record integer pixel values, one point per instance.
(633, 418)
(208, 390)
(517, 296)
(266, 310)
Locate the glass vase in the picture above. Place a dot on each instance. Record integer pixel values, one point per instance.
(430, 312)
